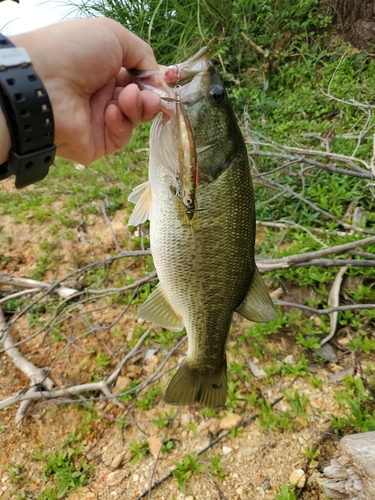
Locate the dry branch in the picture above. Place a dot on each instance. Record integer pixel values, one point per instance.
(333, 301)
(63, 291)
(291, 260)
(103, 386)
(37, 376)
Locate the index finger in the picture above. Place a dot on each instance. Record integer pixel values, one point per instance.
(136, 53)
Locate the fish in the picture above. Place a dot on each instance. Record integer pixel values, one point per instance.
(200, 203)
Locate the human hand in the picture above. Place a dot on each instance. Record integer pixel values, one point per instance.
(82, 64)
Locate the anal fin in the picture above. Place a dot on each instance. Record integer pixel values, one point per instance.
(158, 310)
(257, 305)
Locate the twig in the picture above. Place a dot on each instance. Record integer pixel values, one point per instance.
(316, 208)
(362, 174)
(221, 494)
(333, 301)
(108, 221)
(19, 294)
(62, 291)
(37, 376)
(349, 160)
(335, 263)
(321, 312)
(337, 249)
(102, 386)
(253, 44)
(286, 224)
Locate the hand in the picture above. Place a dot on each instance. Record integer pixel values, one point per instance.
(82, 64)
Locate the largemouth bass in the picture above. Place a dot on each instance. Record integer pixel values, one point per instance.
(199, 200)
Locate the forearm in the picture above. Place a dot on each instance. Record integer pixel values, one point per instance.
(5, 143)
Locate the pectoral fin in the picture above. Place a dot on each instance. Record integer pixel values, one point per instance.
(141, 196)
(158, 310)
(257, 305)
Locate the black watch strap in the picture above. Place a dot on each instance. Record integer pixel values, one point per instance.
(28, 112)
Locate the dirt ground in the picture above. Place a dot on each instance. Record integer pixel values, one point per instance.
(255, 462)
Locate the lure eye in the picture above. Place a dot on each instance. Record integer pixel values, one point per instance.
(216, 95)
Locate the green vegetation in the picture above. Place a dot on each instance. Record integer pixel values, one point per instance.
(152, 394)
(311, 454)
(186, 468)
(359, 414)
(66, 467)
(287, 493)
(217, 468)
(138, 449)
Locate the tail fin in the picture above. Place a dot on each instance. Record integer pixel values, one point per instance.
(190, 386)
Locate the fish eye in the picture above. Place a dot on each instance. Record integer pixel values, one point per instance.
(216, 95)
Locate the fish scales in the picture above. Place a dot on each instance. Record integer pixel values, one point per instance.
(205, 263)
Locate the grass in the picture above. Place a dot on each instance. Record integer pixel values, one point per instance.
(66, 467)
(189, 465)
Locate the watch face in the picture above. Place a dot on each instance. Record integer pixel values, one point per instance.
(13, 56)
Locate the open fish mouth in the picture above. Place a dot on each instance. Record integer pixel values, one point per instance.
(187, 75)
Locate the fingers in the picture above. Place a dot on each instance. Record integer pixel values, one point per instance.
(133, 107)
(135, 52)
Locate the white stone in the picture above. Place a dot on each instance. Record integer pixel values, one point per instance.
(229, 421)
(185, 419)
(298, 478)
(226, 450)
(289, 360)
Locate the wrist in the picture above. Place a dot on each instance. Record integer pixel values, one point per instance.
(5, 142)
(28, 117)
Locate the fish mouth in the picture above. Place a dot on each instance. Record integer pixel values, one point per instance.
(186, 75)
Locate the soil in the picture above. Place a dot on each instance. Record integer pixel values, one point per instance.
(255, 462)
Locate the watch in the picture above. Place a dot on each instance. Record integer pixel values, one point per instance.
(28, 112)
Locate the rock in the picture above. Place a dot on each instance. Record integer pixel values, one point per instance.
(154, 444)
(229, 421)
(202, 428)
(214, 426)
(337, 377)
(289, 360)
(276, 294)
(185, 419)
(82, 494)
(250, 452)
(344, 341)
(257, 372)
(326, 352)
(116, 477)
(150, 365)
(298, 478)
(227, 450)
(122, 383)
(117, 460)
